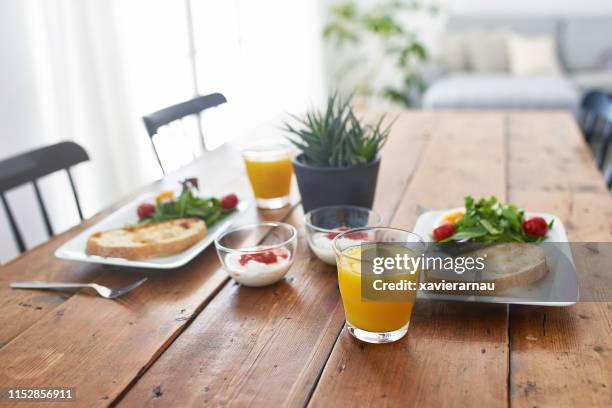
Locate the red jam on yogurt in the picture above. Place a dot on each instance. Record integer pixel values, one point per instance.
(259, 268)
(321, 243)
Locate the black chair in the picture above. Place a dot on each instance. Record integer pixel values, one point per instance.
(28, 168)
(593, 104)
(608, 176)
(604, 136)
(177, 112)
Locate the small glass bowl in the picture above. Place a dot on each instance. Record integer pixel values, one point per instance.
(257, 254)
(324, 223)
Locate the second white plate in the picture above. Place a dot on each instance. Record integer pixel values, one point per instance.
(560, 283)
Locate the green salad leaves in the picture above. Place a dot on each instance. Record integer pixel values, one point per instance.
(488, 221)
(188, 205)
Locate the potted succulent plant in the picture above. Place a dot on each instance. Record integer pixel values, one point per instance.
(339, 159)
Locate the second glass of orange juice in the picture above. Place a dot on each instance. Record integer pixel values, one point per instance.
(269, 170)
(384, 317)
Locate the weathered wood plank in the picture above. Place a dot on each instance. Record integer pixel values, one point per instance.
(454, 354)
(267, 346)
(560, 356)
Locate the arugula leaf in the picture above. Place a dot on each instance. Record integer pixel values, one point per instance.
(490, 229)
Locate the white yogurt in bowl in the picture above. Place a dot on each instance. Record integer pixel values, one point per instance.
(259, 268)
(321, 245)
(325, 223)
(258, 254)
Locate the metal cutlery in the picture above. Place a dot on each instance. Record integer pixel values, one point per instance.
(106, 292)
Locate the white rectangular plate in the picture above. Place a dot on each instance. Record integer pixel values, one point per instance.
(561, 282)
(74, 249)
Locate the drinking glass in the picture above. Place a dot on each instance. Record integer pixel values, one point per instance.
(380, 317)
(269, 169)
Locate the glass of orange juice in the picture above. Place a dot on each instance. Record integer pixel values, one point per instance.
(269, 170)
(374, 315)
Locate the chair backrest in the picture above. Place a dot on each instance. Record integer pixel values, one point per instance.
(176, 112)
(602, 127)
(28, 167)
(594, 104)
(608, 176)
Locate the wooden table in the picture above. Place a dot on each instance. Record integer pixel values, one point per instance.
(191, 337)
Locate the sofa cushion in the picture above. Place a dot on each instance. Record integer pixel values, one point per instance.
(530, 55)
(584, 41)
(588, 80)
(487, 50)
(475, 49)
(454, 55)
(521, 25)
(499, 91)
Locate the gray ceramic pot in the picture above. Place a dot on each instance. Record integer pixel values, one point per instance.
(323, 186)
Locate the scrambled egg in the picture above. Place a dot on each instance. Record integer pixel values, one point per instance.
(454, 216)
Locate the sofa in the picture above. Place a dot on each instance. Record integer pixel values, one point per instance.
(478, 69)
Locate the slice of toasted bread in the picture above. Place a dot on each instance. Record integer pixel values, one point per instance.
(154, 240)
(507, 265)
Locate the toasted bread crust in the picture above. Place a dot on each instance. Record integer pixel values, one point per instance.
(140, 248)
(502, 282)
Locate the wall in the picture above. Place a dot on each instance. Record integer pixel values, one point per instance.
(21, 120)
(528, 7)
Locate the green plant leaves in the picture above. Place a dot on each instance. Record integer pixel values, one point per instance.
(335, 137)
(388, 22)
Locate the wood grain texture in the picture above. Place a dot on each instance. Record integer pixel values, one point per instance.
(250, 344)
(22, 308)
(455, 354)
(267, 346)
(100, 346)
(561, 357)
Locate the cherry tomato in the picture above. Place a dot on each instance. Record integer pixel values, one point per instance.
(145, 210)
(229, 202)
(444, 231)
(535, 226)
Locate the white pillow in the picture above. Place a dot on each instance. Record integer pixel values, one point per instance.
(487, 50)
(532, 55)
(453, 51)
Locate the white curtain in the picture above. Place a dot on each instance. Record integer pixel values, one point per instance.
(87, 70)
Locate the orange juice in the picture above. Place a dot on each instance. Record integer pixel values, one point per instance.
(269, 169)
(371, 316)
(270, 179)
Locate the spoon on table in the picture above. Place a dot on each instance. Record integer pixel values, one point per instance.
(105, 292)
